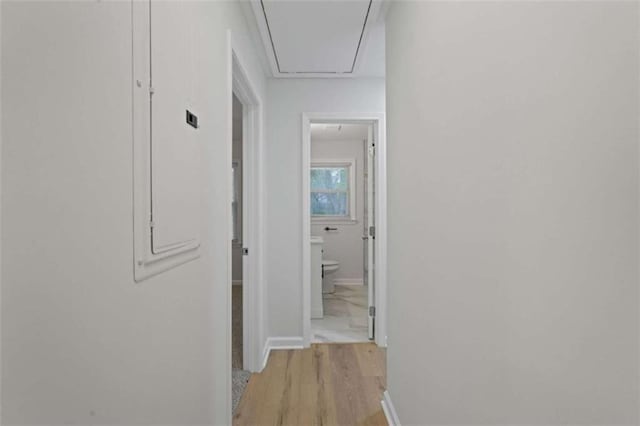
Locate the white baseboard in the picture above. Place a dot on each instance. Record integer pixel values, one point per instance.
(266, 351)
(389, 410)
(276, 343)
(236, 282)
(348, 281)
(280, 343)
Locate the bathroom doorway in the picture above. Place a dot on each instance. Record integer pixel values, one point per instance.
(343, 287)
(246, 242)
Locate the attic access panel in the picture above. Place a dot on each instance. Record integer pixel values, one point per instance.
(175, 153)
(316, 37)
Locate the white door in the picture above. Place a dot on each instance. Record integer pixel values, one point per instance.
(369, 236)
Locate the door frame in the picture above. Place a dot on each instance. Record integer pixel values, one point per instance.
(252, 212)
(369, 189)
(380, 270)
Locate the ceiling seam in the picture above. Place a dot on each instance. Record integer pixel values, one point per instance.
(273, 46)
(364, 25)
(275, 54)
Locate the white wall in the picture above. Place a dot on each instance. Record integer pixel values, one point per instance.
(344, 245)
(82, 342)
(287, 100)
(513, 212)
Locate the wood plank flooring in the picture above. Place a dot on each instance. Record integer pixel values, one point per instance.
(327, 384)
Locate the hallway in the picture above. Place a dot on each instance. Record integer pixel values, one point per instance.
(181, 180)
(330, 384)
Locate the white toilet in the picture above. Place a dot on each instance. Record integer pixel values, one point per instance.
(329, 267)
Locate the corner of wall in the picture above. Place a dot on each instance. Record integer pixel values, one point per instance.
(279, 343)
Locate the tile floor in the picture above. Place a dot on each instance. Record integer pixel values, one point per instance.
(345, 317)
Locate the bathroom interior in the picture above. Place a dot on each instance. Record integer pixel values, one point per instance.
(341, 212)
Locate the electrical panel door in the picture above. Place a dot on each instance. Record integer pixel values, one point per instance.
(175, 151)
(167, 140)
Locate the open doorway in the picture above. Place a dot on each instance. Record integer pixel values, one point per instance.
(344, 228)
(342, 213)
(246, 333)
(237, 257)
(240, 376)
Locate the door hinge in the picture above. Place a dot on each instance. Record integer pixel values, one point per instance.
(372, 311)
(372, 231)
(372, 150)
(152, 90)
(245, 251)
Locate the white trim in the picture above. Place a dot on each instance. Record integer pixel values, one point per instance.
(318, 220)
(389, 409)
(252, 202)
(378, 121)
(227, 288)
(348, 281)
(266, 351)
(1, 149)
(380, 269)
(370, 274)
(279, 343)
(228, 235)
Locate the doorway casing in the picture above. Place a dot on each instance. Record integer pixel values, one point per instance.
(252, 214)
(380, 272)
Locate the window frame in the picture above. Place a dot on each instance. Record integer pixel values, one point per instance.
(350, 165)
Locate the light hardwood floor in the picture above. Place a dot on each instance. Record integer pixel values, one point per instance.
(327, 384)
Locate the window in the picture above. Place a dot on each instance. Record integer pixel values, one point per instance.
(333, 190)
